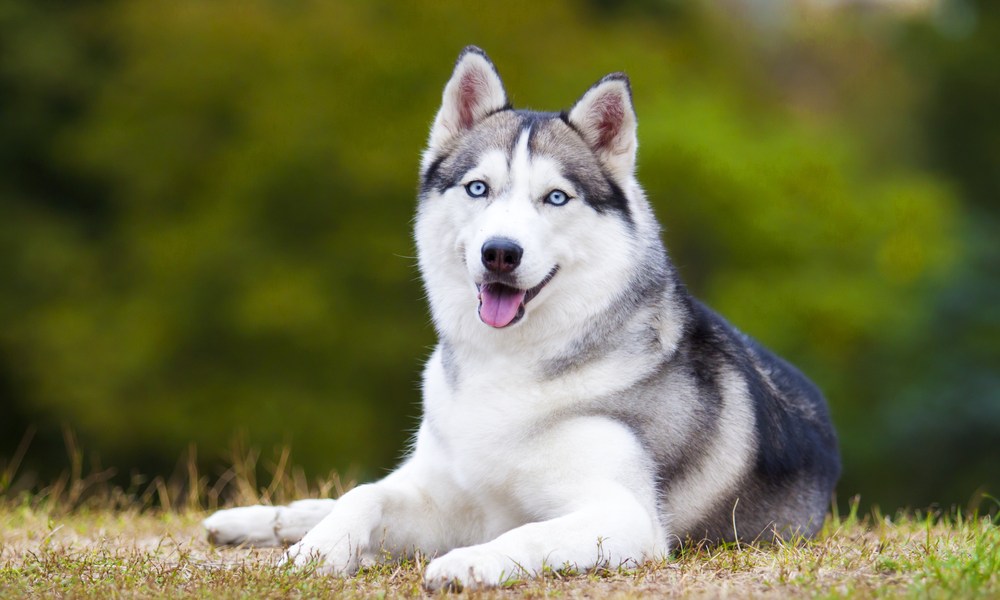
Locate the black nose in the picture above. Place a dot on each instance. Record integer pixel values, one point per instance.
(501, 255)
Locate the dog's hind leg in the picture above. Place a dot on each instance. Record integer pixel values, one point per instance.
(266, 526)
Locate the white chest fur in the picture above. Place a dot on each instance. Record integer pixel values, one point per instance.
(505, 441)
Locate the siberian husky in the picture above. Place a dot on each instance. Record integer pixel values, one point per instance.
(581, 409)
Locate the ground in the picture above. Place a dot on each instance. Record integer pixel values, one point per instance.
(114, 552)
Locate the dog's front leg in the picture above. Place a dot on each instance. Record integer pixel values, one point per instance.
(389, 518)
(263, 526)
(612, 530)
(594, 500)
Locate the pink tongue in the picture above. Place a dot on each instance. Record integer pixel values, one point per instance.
(499, 304)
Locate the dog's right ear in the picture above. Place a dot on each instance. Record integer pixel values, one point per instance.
(473, 92)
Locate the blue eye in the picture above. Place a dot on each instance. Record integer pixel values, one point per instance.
(557, 198)
(477, 189)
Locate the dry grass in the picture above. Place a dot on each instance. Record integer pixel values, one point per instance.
(101, 553)
(83, 537)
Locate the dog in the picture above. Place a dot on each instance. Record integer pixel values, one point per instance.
(581, 410)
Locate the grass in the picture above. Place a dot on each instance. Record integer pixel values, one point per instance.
(154, 553)
(82, 537)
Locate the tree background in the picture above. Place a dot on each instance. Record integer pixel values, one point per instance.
(205, 214)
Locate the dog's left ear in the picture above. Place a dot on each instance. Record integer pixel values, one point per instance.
(605, 118)
(473, 92)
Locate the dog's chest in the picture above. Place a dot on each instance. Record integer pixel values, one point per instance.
(487, 431)
(488, 435)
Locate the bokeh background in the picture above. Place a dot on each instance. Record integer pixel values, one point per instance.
(205, 213)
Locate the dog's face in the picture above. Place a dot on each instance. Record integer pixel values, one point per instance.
(525, 219)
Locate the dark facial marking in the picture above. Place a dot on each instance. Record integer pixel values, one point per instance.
(431, 176)
(553, 136)
(492, 133)
(549, 134)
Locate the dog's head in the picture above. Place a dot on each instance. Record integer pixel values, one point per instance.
(527, 220)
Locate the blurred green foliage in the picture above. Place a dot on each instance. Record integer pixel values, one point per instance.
(206, 207)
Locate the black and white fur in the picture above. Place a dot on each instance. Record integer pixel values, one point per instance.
(608, 419)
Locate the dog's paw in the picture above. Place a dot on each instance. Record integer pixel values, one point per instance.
(338, 555)
(474, 567)
(327, 559)
(251, 525)
(266, 526)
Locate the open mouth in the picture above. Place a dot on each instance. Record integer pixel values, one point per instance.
(501, 305)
